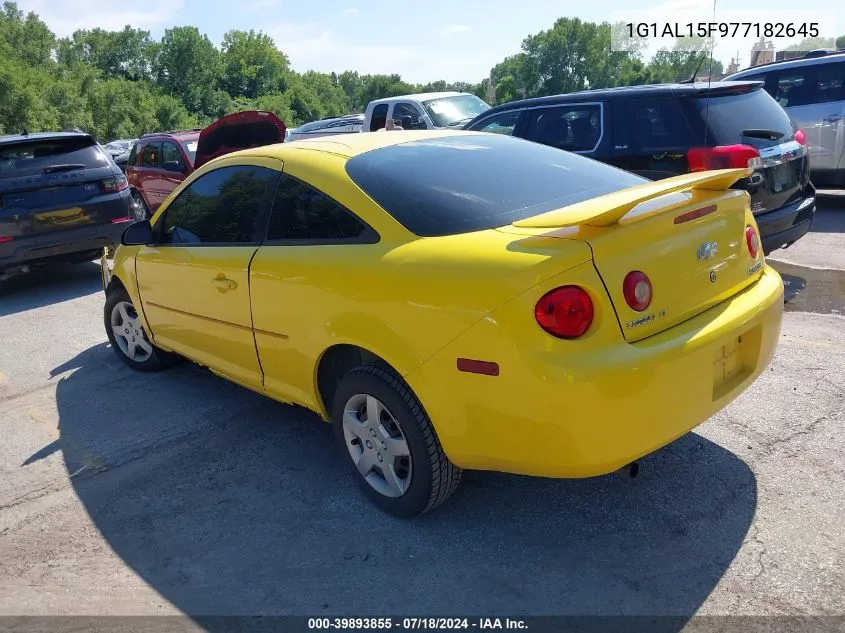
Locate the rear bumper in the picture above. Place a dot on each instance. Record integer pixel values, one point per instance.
(788, 224)
(29, 249)
(576, 414)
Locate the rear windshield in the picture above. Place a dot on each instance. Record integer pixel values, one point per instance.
(731, 117)
(458, 184)
(38, 155)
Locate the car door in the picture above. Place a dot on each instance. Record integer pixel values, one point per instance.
(151, 174)
(194, 280)
(173, 168)
(296, 278)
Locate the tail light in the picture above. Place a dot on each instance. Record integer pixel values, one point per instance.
(801, 137)
(115, 184)
(565, 312)
(752, 241)
(5, 238)
(722, 157)
(637, 290)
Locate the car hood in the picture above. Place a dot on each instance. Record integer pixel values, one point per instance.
(238, 131)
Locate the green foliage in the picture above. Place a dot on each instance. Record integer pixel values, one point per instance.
(252, 66)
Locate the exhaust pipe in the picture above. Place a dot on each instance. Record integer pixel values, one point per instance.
(631, 470)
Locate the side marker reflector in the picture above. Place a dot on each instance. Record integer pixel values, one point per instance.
(694, 215)
(478, 367)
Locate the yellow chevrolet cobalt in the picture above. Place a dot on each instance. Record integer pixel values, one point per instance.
(455, 300)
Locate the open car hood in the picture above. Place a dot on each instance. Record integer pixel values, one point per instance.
(238, 131)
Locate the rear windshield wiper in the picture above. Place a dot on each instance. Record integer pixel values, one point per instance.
(52, 169)
(770, 135)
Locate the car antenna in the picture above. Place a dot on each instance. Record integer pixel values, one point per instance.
(24, 132)
(691, 80)
(709, 81)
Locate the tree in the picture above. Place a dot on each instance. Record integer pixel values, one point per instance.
(25, 38)
(251, 64)
(188, 66)
(129, 53)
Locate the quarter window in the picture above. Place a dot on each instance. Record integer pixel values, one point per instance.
(301, 212)
(657, 125)
(576, 127)
(220, 207)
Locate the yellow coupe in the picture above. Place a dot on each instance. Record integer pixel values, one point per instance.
(455, 300)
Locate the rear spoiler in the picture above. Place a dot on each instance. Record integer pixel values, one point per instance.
(609, 209)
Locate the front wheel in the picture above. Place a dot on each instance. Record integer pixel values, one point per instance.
(139, 207)
(392, 447)
(127, 335)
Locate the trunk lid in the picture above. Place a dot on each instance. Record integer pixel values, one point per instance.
(56, 183)
(686, 233)
(238, 131)
(745, 115)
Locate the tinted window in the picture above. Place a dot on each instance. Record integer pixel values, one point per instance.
(729, 115)
(471, 182)
(220, 207)
(33, 157)
(576, 127)
(504, 123)
(657, 124)
(151, 155)
(133, 156)
(796, 87)
(301, 212)
(379, 118)
(171, 154)
(831, 82)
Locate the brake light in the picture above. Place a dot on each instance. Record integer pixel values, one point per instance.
(637, 290)
(565, 312)
(5, 238)
(752, 241)
(800, 137)
(722, 157)
(113, 185)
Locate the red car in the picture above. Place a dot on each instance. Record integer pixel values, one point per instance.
(159, 162)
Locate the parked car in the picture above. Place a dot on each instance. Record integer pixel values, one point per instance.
(328, 127)
(661, 131)
(537, 328)
(61, 198)
(120, 146)
(159, 162)
(812, 90)
(122, 160)
(424, 111)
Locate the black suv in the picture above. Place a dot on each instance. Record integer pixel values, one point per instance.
(665, 130)
(61, 197)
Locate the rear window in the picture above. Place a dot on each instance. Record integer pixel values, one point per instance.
(35, 156)
(729, 116)
(458, 184)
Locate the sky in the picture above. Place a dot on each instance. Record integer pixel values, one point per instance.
(423, 42)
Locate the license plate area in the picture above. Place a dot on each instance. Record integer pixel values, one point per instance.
(783, 177)
(733, 362)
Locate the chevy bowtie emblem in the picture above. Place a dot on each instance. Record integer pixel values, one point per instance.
(706, 251)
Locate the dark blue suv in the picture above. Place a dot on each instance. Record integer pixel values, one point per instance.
(61, 197)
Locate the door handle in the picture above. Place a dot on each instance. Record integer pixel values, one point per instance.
(223, 283)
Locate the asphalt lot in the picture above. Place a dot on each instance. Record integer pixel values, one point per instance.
(123, 493)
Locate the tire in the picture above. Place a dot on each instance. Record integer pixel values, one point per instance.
(422, 482)
(119, 312)
(142, 212)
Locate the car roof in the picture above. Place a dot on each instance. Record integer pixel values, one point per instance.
(621, 92)
(17, 138)
(829, 58)
(350, 145)
(420, 96)
(181, 135)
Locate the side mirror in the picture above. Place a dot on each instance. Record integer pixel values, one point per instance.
(138, 234)
(173, 165)
(419, 124)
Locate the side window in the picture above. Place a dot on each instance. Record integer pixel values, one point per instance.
(656, 125)
(408, 116)
(171, 154)
(151, 156)
(133, 156)
(301, 212)
(504, 123)
(796, 87)
(575, 128)
(222, 206)
(831, 78)
(379, 118)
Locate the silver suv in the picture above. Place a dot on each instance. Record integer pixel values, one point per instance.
(812, 90)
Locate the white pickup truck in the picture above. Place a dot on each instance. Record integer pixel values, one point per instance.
(424, 111)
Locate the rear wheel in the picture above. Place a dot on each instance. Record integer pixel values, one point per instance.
(127, 335)
(391, 445)
(139, 207)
